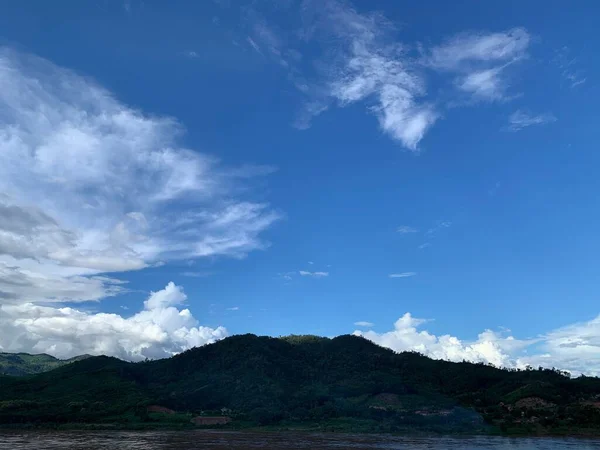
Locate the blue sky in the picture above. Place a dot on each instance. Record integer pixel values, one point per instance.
(421, 174)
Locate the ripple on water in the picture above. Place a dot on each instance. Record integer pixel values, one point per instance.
(218, 440)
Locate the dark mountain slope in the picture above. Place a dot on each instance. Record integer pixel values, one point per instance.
(345, 383)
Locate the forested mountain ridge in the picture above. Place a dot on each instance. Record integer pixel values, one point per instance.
(345, 383)
(21, 364)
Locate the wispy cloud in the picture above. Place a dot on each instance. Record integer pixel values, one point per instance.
(306, 273)
(124, 196)
(481, 61)
(406, 230)
(368, 65)
(233, 308)
(494, 190)
(364, 324)
(268, 40)
(287, 276)
(254, 45)
(424, 245)
(191, 54)
(523, 119)
(568, 66)
(402, 275)
(114, 191)
(196, 274)
(439, 226)
(363, 62)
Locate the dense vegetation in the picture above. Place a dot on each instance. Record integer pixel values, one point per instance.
(346, 383)
(20, 364)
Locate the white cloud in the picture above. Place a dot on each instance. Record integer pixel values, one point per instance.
(424, 245)
(196, 274)
(406, 230)
(575, 348)
(191, 54)
(113, 190)
(254, 45)
(489, 347)
(568, 66)
(305, 273)
(286, 275)
(522, 119)
(362, 61)
(485, 84)
(364, 324)
(439, 226)
(311, 262)
(268, 40)
(35, 282)
(233, 308)
(368, 65)
(161, 329)
(91, 186)
(402, 275)
(481, 61)
(466, 48)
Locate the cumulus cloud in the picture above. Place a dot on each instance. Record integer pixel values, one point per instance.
(90, 186)
(574, 348)
(306, 273)
(159, 330)
(523, 119)
(480, 61)
(402, 275)
(490, 347)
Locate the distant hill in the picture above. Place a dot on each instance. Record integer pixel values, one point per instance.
(346, 383)
(21, 364)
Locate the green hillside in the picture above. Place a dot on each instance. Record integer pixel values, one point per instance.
(346, 383)
(21, 364)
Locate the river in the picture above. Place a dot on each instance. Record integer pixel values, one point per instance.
(219, 440)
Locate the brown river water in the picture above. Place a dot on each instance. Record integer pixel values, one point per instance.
(218, 440)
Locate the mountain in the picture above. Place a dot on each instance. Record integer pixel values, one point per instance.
(346, 383)
(21, 364)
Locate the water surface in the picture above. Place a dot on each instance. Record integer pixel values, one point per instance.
(219, 440)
